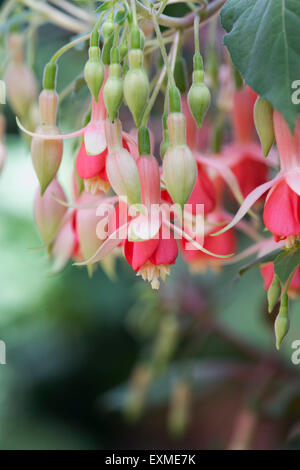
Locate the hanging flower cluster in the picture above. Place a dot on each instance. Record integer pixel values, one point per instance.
(125, 203)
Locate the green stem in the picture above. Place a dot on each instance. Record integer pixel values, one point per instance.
(196, 34)
(133, 9)
(68, 46)
(188, 20)
(160, 80)
(163, 49)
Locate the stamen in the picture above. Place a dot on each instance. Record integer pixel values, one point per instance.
(96, 185)
(151, 273)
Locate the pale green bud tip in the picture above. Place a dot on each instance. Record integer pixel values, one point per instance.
(281, 325)
(113, 92)
(94, 72)
(136, 92)
(263, 119)
(107, 29)
(274, 293)
(198, 100)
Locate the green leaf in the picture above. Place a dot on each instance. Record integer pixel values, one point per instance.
(258, 261)
(285, 263)
(263, 41)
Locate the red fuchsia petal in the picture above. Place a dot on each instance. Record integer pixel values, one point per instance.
(224, 244)
(282, 211)
(165, 196)
(89, 166)
(267, 272)
(203, 192)
(138, 253)
(242, 114)
(250, 173)
(166, 252)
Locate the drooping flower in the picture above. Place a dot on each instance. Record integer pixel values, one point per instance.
(244, 156)
(151, 258)
(281, 211)
(48, 213)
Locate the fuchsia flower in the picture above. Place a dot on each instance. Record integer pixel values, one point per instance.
(91, 158)
(77, 238)
(151, 258)
(281, 211)
(244, 156)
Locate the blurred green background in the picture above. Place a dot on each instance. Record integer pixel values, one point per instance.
(109, 364)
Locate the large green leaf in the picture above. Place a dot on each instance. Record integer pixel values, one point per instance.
(263, 41)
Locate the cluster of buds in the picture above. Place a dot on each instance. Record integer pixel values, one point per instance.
(124, 201)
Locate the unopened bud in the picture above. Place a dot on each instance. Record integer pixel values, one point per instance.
(263, 119)
(48, 212)
(121, 168)
(107, 29)
(179, 165)
(198, 99)
(47, 154)
(136, 85)
(282, 323)
(86, 225)
(274, 293)
(21, 87)
(94, 72)
(113, 91)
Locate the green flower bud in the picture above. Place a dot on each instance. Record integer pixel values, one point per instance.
(136, 86)
(274, 293)
(263, 119)
(180, 74)
(198, 98)
(107, 29)
(46, 154)
(94, 72)
(179, 164)
(282, 324)
(113, 91)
